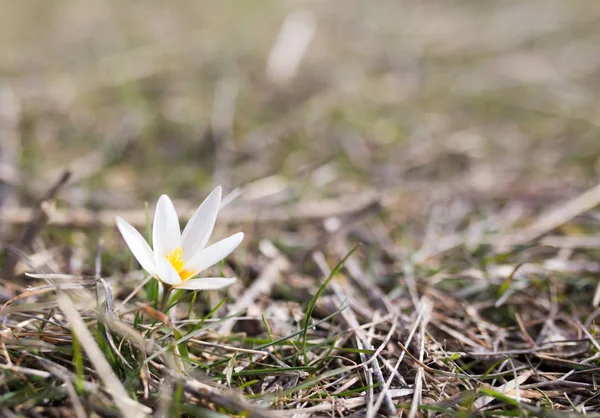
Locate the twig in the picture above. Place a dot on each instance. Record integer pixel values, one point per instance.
(417, 395)
(346, 404)
(554, 218)
(386, 387)
(306, 211)
(25, 370)
(133, 293)
(524, 330)
(504, 389)
(353, 323)
(226, 398)
(262, 285)
(37, 221)
(366, 285)
(75, 401)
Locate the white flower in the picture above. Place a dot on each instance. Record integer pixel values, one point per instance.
(178, 257)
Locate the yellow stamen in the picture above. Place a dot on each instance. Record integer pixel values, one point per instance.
(176, 260)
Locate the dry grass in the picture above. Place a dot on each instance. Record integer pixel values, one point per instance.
(418, 188)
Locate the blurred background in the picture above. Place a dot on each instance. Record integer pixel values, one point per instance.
(427, 131)
(432, 104)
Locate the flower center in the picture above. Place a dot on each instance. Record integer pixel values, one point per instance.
(175, 257)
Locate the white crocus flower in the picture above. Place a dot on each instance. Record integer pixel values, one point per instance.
(178, 257)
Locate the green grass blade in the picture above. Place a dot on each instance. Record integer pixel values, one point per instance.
(313, 302)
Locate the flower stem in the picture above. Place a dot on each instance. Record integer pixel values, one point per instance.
(164, 301)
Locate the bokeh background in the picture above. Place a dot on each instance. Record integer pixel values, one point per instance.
(436, 133)
(430, 104)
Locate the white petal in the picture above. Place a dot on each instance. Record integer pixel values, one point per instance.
(201, 224)
(215, 253)
(166, 235)
(138, 245)
(207, 283)
(166, 272)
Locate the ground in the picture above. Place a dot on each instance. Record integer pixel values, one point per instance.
(417, 184)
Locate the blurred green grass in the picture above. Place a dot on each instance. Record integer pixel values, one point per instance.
(387, 94)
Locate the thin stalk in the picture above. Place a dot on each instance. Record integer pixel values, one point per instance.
(164, 301)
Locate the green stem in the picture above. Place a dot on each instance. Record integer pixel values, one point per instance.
(164, 301)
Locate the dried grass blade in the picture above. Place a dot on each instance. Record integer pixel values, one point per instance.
(129, 407)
